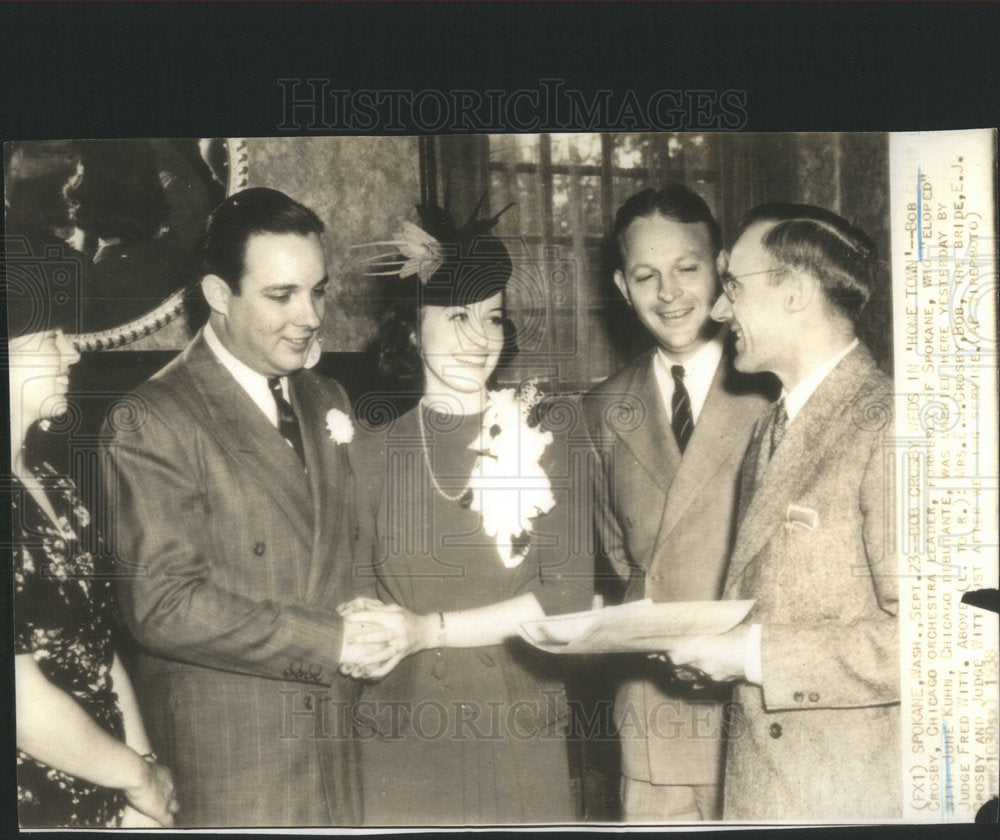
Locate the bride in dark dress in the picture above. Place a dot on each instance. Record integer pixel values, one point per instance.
(83, 759)
(462, 723)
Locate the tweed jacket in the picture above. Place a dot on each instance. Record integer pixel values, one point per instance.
(233, 559)
(820, 738)
(666, 525)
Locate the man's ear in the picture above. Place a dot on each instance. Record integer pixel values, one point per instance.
(622, 286)
(722, 262)
(798, 291)
(216, 292)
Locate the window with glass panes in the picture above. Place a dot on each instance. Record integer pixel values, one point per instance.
(565, 190)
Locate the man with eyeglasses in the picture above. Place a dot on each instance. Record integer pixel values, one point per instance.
(815, 732)
(669, 431)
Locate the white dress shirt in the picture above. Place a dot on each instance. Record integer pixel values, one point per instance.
(255, 384)
(699, 371)
(794, 401)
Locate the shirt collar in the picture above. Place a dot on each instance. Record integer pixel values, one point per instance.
(799, 395)
(237, 368)
(702, 364)
(699, 372)
(255, 384)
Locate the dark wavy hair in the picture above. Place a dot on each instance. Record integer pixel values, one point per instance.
(826, 246)
(258, 210)
(396, 357)
(675, 202)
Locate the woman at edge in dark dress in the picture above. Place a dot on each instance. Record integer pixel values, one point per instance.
(83, 758)
(462, 723)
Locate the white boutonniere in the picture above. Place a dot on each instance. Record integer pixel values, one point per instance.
(339, 426)
(508, 485)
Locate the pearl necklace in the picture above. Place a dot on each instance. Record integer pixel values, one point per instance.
(427, 460)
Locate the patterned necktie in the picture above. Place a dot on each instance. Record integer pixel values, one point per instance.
(288, 423)
(778, 426)
(680, 404)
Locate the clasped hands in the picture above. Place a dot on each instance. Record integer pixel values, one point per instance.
(377, 636)
(152, 802)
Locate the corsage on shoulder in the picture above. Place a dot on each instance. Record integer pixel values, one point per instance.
(508, 485)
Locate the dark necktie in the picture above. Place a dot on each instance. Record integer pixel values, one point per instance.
(288, 423)
(680, 403)
(778, 425)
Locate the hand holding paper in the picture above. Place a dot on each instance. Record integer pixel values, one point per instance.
(722, 658)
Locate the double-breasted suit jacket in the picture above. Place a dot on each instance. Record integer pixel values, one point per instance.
(666, 524)
(233, 560)
(820, 738)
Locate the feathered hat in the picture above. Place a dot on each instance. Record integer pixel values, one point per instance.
(440, 264)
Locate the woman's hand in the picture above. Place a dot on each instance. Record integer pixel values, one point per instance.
(154, 795)
(132, 818)
(407, 634)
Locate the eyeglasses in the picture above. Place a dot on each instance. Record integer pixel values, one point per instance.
(731, 284)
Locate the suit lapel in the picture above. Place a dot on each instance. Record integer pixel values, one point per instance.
(640, 420)
(808, 441)
(241, 428)
(748, 471)
(721, 425)
(305, 404)
(329, 477)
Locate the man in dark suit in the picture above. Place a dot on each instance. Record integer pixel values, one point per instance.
(816, 730)
(669, 431)
(235, 533)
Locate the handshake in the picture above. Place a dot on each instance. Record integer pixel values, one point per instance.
(378, 636)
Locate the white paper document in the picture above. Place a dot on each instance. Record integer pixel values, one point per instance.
(638, 627)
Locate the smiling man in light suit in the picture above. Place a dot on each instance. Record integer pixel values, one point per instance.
(235, 533)
(669, 431)
(816, 731)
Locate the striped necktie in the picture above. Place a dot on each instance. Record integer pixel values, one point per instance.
(288, 423)
(680, 404)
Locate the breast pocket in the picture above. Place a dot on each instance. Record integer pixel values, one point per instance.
(815, 566)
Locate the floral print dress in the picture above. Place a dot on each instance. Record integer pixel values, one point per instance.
(64, 616)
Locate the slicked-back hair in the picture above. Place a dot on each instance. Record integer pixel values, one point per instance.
(258, 210)
(824, 245)
(675, 202)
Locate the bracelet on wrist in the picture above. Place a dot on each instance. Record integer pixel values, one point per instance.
(442, 631)
(151, 757)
